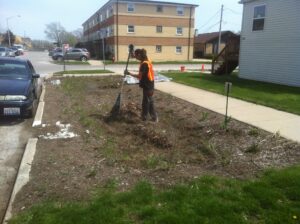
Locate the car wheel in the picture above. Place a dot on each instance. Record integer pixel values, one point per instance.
(31, 113)
(83, 59)
(60, 59)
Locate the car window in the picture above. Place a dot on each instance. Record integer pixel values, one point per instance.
(14, 70)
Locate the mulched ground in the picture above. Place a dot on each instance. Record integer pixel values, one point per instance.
(186, 143)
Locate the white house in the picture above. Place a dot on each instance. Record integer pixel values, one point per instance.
(270, 41)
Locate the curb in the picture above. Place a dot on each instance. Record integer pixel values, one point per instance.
(28, 155)
(22, 175)
(40, 110)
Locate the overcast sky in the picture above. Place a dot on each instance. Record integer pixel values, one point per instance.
(35, 14)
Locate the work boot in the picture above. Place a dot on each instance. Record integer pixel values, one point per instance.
(155, 119)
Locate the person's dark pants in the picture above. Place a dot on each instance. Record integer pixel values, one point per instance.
(148, 105)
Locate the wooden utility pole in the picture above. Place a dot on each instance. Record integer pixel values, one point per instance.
(220, 30)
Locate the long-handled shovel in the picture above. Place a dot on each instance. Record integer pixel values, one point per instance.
(117, 106)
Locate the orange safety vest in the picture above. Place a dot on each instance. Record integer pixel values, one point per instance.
(150, 72)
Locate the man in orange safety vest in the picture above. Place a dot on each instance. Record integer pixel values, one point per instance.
(146, 78)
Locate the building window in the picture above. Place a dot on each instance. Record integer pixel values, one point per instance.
(130, 29)
(130, 7)
(111, 31)
(158, 48)
(179, 31)
(159, 8)
(178, 49)
(159, 29)
(259, 18)
(180, 10)
(111, 11)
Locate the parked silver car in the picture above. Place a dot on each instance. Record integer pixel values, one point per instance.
(4, 52)
(72, 54)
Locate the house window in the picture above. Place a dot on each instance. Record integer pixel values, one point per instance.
(130, 29)
(158, 29)
(179, 31)
(259, 17)
(130, 7)
(158, 48)
(178, 49)
(159, 8)
(180, 10)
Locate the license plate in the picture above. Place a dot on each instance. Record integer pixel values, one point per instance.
(12, 111)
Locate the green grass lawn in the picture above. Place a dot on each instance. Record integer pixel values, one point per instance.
(272, 198)
(280, 97)
(83, 72)
(71, 62)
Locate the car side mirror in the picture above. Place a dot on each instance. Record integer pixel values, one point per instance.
(35, 76)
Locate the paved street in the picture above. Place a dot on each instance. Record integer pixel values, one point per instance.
(14, 135)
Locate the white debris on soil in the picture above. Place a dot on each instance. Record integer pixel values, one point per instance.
(55, 82)
(157, 78)
(63, 133)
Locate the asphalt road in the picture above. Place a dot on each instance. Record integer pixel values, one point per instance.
(14, 135)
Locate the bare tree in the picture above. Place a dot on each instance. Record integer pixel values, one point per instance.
(78, 34)
(56, 32)
(8, 38)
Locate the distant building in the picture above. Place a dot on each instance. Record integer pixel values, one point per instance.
(27, 42)
(164, 29)
(270, 41)
(206, 44)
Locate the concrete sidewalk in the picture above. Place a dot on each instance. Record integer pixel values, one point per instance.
(271, 120)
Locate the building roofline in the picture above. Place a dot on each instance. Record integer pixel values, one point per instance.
(246, 1)
(142, 2)
(157, 2)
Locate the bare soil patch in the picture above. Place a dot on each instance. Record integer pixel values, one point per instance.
(186, 143)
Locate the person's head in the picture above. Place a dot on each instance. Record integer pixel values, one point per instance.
(141, 54)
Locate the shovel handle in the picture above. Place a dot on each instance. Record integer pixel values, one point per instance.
(129, 53)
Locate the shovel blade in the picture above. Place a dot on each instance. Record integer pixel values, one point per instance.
(117, 106)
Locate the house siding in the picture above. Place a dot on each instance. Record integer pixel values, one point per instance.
(273, 54)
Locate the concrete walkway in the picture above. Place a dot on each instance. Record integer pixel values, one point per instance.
(271, 120)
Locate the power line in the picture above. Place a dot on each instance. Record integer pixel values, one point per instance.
(208, 29)
(234, 12)
(206, 23)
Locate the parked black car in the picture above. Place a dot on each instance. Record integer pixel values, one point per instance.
(72, 54)
(19, 87)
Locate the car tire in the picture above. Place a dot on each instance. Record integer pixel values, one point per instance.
(83, 59)
(60, 58)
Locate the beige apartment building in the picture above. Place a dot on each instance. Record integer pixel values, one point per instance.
(164, 29)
